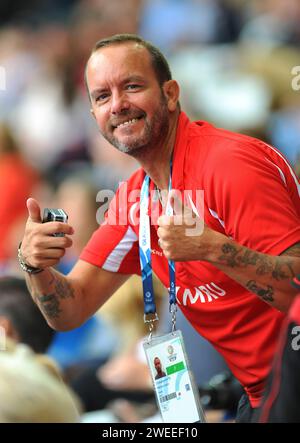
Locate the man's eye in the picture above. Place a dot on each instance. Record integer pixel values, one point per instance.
(132, 86)
(101, 97)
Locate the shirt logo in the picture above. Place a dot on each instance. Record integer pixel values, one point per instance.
(210, 292)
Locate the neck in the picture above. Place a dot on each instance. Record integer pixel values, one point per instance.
(156, 162)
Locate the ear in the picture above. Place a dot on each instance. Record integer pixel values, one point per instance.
(92, 112)
(171, 91)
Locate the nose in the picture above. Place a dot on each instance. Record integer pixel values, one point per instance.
(119, 103)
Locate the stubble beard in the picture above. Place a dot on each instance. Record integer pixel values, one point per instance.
(154, 132)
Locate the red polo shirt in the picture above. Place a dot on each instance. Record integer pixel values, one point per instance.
(251, 195)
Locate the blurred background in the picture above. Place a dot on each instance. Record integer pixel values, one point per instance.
(236, 64)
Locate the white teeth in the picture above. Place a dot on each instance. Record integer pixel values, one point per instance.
(128, 122)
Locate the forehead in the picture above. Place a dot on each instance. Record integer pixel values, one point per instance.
(118, 61)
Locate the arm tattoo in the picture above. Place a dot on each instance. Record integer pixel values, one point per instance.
(283, 271)
(63, 288)
(232, 257)
(49, 304)
(241, 258)
(265, 294)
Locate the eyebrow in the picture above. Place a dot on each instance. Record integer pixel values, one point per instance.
(131, 78)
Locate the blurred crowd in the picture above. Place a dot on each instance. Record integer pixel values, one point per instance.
(235, 62)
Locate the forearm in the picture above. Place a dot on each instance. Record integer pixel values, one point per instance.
(57, 297)
(267, 276)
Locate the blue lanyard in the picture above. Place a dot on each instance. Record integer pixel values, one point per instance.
(145, 253)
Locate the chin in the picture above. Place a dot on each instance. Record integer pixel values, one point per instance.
(133, 148)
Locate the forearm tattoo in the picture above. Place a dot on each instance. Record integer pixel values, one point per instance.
(278, 268)
(265, 294)
(50, 303)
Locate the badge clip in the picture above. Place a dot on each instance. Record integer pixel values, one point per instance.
(150, 318)
(173, 310)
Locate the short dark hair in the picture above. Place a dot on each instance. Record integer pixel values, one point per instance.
(17, 305)
(159, 62)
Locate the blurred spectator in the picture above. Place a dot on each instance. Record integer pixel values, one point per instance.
(31, 390)
(31, 387)
(20, 318)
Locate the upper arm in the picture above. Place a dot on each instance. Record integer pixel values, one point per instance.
(95, 285)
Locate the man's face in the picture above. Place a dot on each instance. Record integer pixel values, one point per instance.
(128, 103)
(157, 364)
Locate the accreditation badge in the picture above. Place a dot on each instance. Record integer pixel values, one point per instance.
(176, 392)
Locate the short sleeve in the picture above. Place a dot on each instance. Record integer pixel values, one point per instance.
(257, 198)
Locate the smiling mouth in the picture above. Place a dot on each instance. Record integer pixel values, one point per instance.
(127, 122)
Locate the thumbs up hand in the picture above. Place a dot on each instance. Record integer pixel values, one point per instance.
(40, 248)
(184, 235)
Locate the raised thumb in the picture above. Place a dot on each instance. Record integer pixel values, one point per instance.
(34, 211)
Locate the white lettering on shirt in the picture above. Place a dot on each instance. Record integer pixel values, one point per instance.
(204, 293)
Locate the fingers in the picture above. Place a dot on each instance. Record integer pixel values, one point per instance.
(34, 211)
(51, 228)
(45, 252)
(50, 254)
(51, 242)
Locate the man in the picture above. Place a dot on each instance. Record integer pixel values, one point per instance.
(159, 372)
(232, 279)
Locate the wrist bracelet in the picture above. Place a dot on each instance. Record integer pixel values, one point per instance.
(24, 266)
